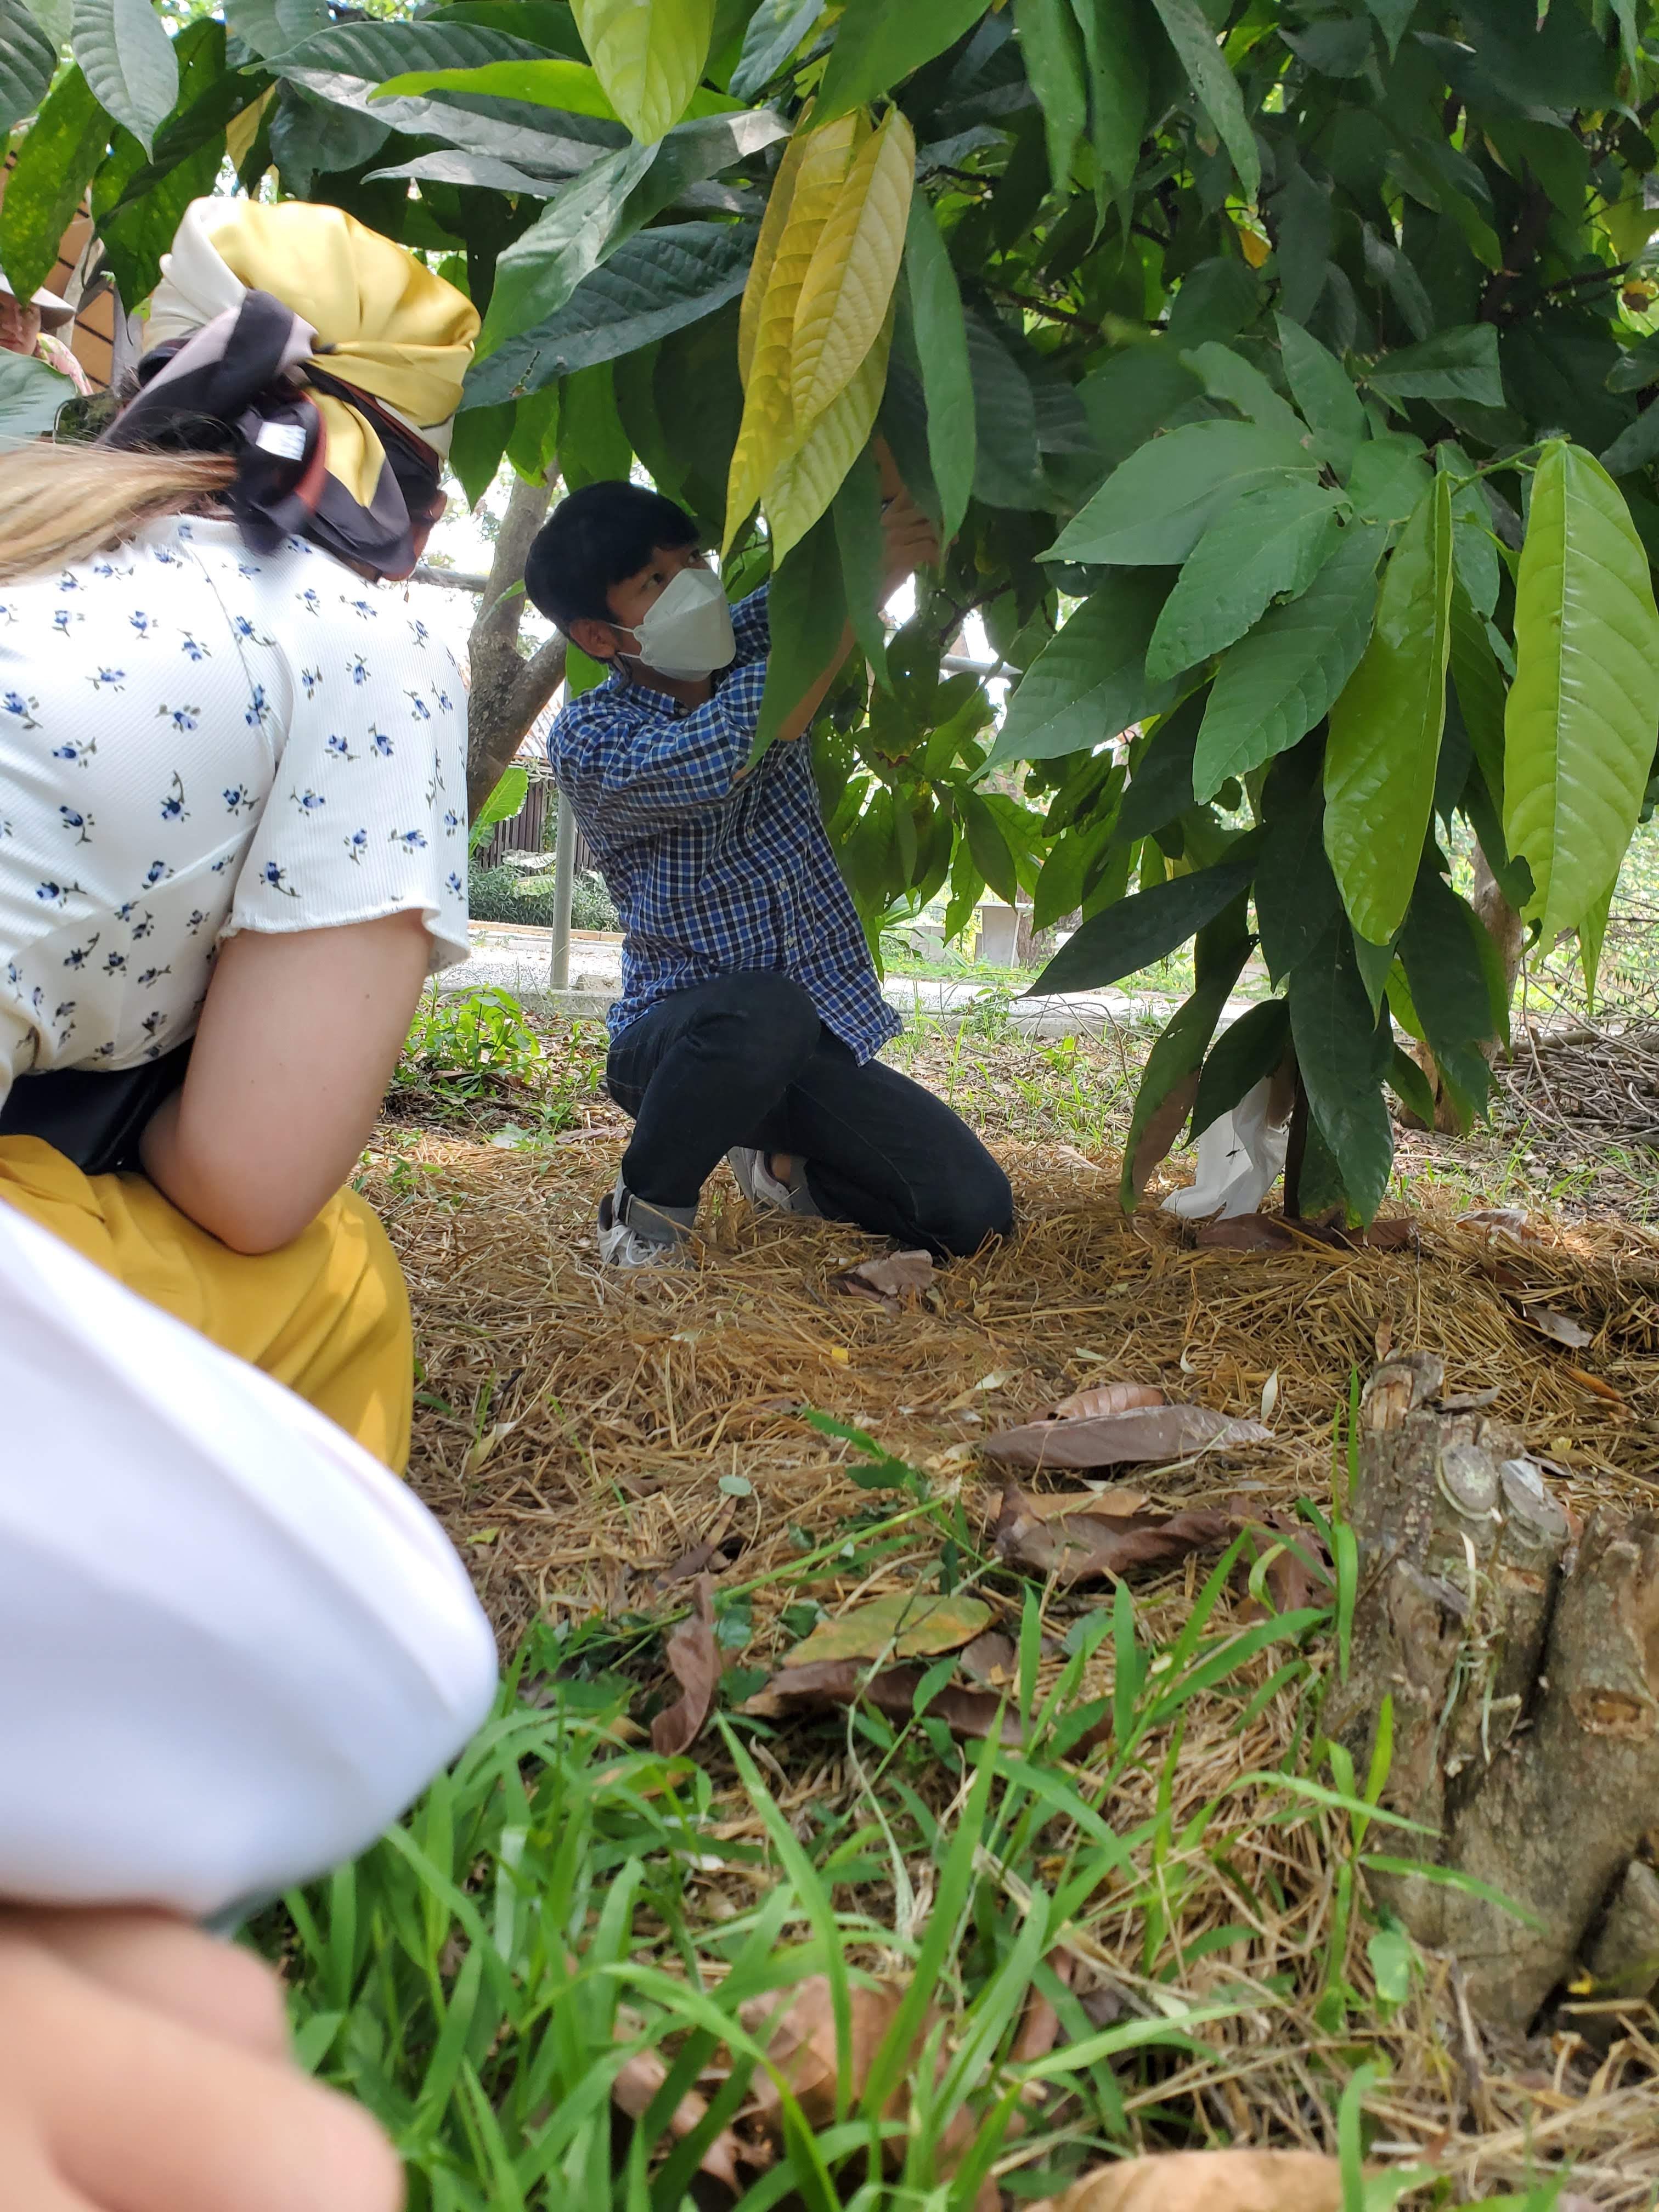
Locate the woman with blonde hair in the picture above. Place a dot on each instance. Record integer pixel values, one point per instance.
(233, 834)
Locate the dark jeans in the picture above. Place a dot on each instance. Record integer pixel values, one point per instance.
(746, 1060)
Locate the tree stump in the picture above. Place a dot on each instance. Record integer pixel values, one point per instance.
(1523, 1672)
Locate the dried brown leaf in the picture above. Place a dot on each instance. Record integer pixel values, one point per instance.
(1104, 1398)
(1298, 1574)
(1050, 1504)
(891, 1690)
(1168, 1119)
(1399, 1233)
(1039, 2028)
(1145, 1433)
(1560, 1327)
(1499, 1221)
(1088, 1546)
(889, 1280)
(802, 2046)
(907, 1624)
(990, 1659)
(1248, 1233)
(1208, 2181)
(694, 1657)
(636, 2085)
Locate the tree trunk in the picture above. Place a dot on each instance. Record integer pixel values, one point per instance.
(508, 689)
(1524, 1674)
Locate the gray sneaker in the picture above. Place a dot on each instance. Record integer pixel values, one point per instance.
(633, 1233)
(767, 1192)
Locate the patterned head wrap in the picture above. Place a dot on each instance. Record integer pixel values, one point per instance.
(325, 357)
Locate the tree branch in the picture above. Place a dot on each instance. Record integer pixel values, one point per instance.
(1521, 251)
(508, 691)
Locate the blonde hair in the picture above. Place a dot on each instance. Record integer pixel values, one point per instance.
(60, 504)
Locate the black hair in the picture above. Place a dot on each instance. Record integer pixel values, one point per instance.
(599, 537)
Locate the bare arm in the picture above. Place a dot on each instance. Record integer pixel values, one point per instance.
(296, 1045)
(909, 543)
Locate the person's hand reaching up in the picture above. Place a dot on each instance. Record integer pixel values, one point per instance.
(145, 2068)
(910, 541)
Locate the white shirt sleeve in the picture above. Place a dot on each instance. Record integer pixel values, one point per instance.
(367, 812)
(233, 1647)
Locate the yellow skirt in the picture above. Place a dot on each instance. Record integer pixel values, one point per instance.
(328, 1315)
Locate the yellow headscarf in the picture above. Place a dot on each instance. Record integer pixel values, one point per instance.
(389, 325)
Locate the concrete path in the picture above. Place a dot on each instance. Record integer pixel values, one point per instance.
(516, 960)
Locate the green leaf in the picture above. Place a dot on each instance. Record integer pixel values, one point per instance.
(648, 55)
(1479, 683)
(1411, 1086)
(139, 231)
(1343, 1051)
(1455, 364)
(1154, 508)
(540, 269)
(1193, 41)
(1226, 375)
(1090, 681)
(1277, 683)
(1161, 782)
(1244, 1055)
(1392, 16)
(1134, 394)
(480, 439)
(1065, 869)
(1170, 1083)
(129, 62)
(30, 396)
(807, 608)
(1118, 84)
(54, 165)
(1052, 47)
(1008, 464)
(1446, 975)
(1297, 902)
(1386, 727)
(1592, 935)
(311, 137)
(570, 87)
(593, 446)
(1268, 544)
(947, 383)
(856, 509)
(533, 443)
(1322, 389)
(1299, 210)
(993, 855)
(657, 281)
(877, 44)
(273, 27)
(27, 60)
(1137, 930)
(1635, 448)
(1388, 477)
(53, 17)
(1579, 727)
(775, 30)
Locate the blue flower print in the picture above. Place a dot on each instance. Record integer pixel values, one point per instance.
(380, 743)
(308, 802)
(15, 703)
(445, 704)
(418, 708)
(114, 679)
(151, 975)
(153, 1022)
(67, 581)
(185, 534)
(182, 717)
(221, 865)
(244, 628)
(420, 632)
(311, 603)
(275, 879)
(410, 840)
(194, 648)
(8, 612)
(358, 669)
(76, 755)
(357, 844)
(157, 873)
(106, 1051)
(125, 913)
(363, 611)
(103, 567)
(172, 807)
(144, 927)
(14, 975)
(249, 569)
(451, 823)
(60, 1015)
(166, 556)
(78, 956)
(196, 918)
(452, 883)
(239, 799)
(57, 894)
(63, 618)
(81, 824)
(310, 677)
(257, 707)
(141, 622)
(38, 1000)
(339, 750)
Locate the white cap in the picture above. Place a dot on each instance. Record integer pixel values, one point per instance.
(54, 312)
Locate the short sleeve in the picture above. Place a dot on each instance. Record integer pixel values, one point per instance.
(367, 814)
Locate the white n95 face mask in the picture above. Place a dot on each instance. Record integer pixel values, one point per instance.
(687, 631)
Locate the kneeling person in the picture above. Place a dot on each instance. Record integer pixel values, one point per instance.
(750, 1013)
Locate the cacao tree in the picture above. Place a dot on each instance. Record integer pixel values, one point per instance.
(1281, 376)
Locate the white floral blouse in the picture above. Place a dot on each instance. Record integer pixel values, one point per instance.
(196, 740)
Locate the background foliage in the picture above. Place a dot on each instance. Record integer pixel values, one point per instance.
(1282, 372)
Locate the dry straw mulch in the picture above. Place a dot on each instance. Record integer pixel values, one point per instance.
(580, 1424)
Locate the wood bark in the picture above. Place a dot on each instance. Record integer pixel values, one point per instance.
(1523, 1676)
(508, 691)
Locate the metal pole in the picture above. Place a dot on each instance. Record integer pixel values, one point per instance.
(564, 879)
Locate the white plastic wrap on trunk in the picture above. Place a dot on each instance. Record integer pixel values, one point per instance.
(1240, 1156)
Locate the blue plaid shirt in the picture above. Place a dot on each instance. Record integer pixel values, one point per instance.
(714, 866)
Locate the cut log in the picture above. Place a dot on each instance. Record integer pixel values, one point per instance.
(1525, 1684)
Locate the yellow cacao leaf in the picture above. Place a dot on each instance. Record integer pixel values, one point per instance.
(766, 435)
(766, 251)
(845, 296)
(648, 55)
(803, 488)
